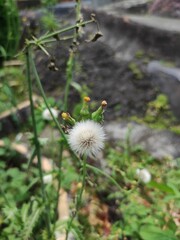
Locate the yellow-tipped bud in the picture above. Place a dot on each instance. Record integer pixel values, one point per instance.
(98, 116)
(85, 108)
(87, 99)
(67, 118)
(104, 103)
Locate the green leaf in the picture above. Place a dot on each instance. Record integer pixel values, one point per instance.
(76, 86)
(24, 212)
(31, 220)
(162, 187)
(150, 232)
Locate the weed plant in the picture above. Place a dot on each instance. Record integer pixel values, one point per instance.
(9, 34)
(128, 196)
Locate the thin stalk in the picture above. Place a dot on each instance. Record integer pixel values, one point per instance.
(125, 192)
(128, 146)
(45, 98)
(59, 179)
(71, 60)
(47, 105)
(36, 141)
(84, 172)
(47, 36)
(79, 197)
(78, 9)
(106, 175)
(69, 77)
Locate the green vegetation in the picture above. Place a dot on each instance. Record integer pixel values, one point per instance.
(137, 210)
(72, 182)
(12, 86)
(9, 34)
(159, 115)
(136, 71)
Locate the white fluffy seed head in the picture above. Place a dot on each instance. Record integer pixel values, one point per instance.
(87, 137)
(143, 175)
(47, 179)
(47, 116)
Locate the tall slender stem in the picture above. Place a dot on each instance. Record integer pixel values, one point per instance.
(59, 179)
(69, 78)
(36, 141)
(47, 36)
(47, 105)
(71, 60)
(44, 98)
(79, 196)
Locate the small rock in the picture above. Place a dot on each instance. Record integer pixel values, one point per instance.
(167, 79)
(160, 144)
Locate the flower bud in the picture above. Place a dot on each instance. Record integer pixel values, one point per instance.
(104, 103)
(68, 119)
(85, 109)
(98, 115)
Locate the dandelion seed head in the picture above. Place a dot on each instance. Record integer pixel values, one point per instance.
(143, 175)
(87, 137)
(47, 116)
(47, 179)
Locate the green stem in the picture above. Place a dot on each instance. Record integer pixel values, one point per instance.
(78, 9)
(84, 172)
(45, 99)
(106, 175)
(79, 197)
(59, 179)
(69, 77)
(71, 60)
(65, 29)
(36, 141)
(47, 105)
(125, 192)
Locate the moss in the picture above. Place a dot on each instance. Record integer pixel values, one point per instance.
(139, 54)
(175, 129)
(117, 107)
(136, 71)
(159, 115)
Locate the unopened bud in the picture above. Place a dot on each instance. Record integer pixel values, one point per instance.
(104, 103)
(87, 99)
(98, 115)
(67, 118)
(85, 109)
(64, 115)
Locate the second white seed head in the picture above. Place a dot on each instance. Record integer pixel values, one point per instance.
(46, 115)
(143, 175)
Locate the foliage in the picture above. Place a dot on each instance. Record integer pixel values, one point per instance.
(48, 3)
(159, 115)
(107, 198)
(49, 21)
(9, 34)
(40, 107)
(136, 70)
(12, 87)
